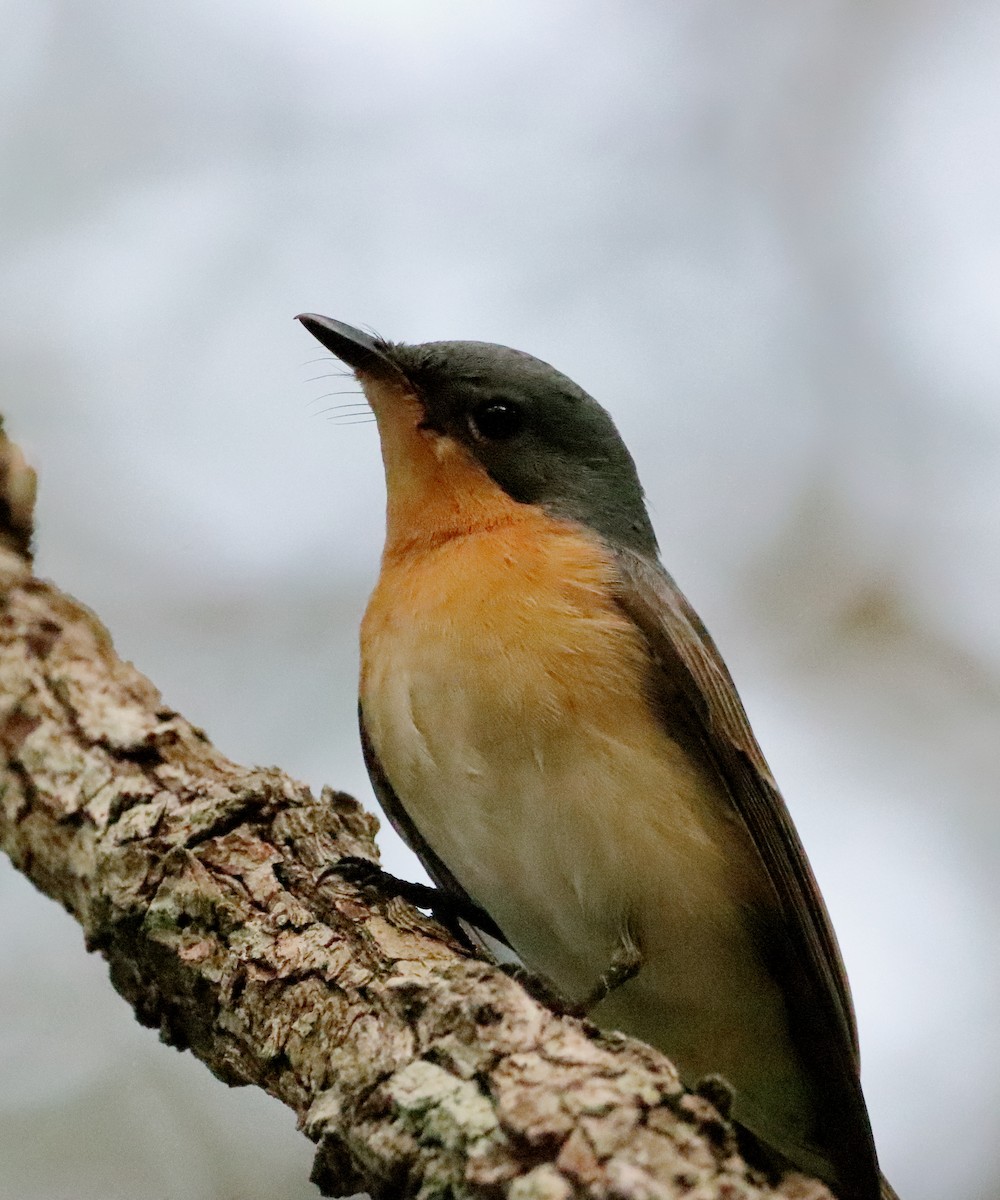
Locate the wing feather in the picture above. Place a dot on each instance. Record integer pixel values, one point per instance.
(694, 690)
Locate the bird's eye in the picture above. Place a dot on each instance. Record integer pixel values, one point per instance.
(496, 420)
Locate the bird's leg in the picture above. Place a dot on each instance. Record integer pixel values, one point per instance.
(625, 964)
(447, 908)
(719, 1092)
(540, 988)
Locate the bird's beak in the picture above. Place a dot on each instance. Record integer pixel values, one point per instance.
(356, 349)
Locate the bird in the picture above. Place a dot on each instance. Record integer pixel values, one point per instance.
(550, 727)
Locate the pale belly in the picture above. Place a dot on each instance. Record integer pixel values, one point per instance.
(555, 822)
(523, 748)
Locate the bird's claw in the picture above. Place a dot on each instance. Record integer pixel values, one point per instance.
(625, 964)
(719, 1092)
(355, 869)
(448, 909)
(541, 989)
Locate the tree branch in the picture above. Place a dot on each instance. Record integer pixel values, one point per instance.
(419, 1070)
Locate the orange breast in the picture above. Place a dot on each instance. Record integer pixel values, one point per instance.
(517, 595)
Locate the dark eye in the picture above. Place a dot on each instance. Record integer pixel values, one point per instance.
(496, 420)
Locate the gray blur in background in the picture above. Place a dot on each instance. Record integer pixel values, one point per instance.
(767, 240)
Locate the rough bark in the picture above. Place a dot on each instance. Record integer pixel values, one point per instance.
(417, 1069)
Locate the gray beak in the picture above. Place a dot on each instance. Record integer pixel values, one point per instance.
(356, 349)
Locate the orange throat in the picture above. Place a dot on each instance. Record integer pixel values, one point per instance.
(435, 489)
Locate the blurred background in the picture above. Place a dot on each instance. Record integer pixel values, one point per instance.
(766, 237)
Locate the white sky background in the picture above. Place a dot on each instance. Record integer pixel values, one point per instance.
(766, 237)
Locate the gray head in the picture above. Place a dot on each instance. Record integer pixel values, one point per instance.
(538, 435)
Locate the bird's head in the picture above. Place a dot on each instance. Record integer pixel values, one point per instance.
(470, 428)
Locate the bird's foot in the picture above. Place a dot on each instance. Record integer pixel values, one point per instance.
(541, 989)
(445, 907)
(626, 962)
(719, 1092)
(364, 873)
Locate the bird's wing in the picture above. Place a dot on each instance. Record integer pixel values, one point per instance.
(400, 820)
(695, 692)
